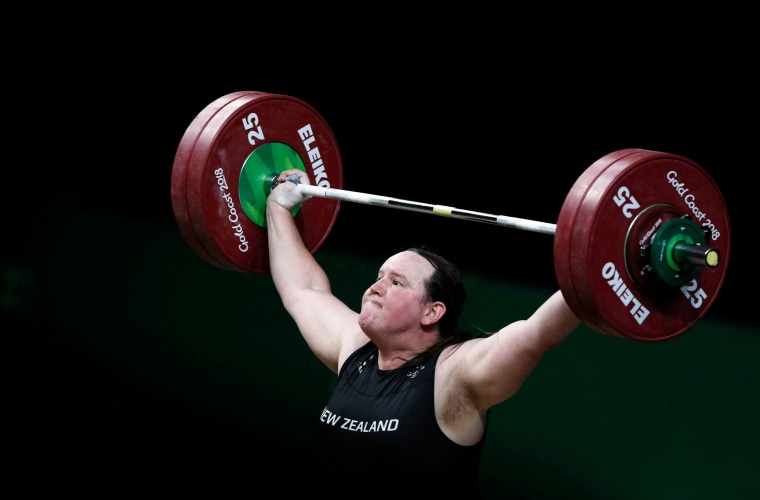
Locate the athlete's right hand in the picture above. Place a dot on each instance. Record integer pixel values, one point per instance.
(286, 192)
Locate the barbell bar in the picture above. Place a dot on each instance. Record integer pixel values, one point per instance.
(641, 244)
(425, 208)
(678, 251)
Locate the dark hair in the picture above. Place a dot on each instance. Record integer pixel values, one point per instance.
(444, 285)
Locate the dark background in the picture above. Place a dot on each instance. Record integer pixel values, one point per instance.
(135, 369)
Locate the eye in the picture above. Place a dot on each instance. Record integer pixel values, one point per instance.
(396, 282)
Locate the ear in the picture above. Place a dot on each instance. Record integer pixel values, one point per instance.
(433, 312)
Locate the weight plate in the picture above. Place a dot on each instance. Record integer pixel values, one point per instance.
(595, 259)
(223, 144)
(179, 174)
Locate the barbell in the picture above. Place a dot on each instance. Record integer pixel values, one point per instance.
(641, 244)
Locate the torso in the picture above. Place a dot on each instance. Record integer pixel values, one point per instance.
(377, 418)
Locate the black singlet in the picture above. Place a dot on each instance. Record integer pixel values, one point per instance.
(381, 424)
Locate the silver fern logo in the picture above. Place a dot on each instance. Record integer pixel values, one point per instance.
(415, 372)
(361, 365)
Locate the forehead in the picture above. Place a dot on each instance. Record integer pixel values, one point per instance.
(408, 264)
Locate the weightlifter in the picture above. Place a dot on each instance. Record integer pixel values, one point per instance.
(409, 412)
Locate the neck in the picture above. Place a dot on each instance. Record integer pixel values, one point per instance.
(393, 353)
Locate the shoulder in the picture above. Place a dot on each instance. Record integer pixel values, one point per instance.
(452, 357)
(355, 346)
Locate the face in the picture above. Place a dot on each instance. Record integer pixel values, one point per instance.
(393, 304)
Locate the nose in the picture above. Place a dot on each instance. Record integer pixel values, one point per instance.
(377, 287)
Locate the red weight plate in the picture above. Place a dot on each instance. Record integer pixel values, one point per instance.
(213, 171)
(179, 174)
(565, 261)
(592, 250)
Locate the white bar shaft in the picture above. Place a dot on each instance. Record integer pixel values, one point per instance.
(414, 206)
